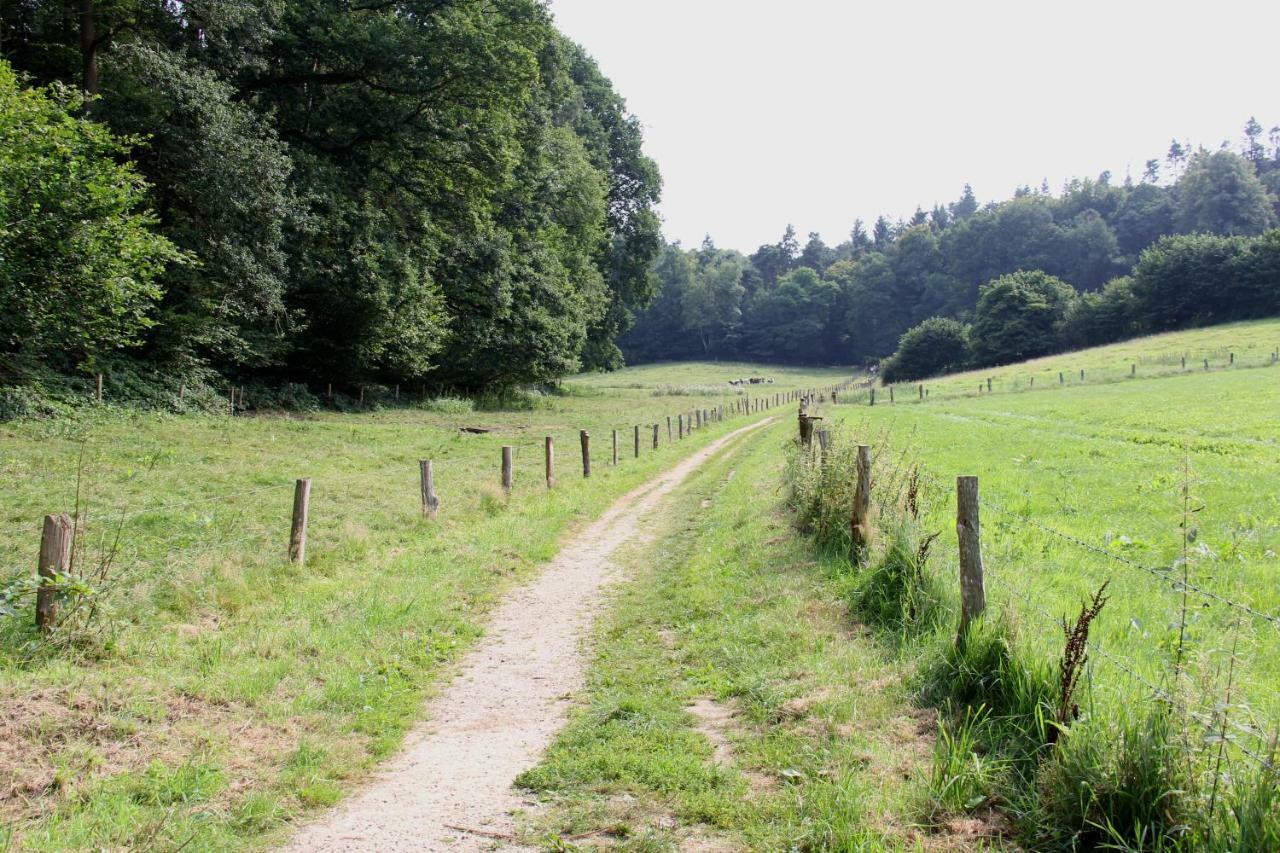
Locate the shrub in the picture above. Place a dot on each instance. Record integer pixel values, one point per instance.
(1018, 317)
(938, 345)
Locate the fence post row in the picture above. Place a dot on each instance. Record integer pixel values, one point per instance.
(55, 559)
(973, 595)
(298, 530)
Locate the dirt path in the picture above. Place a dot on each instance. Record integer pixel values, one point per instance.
(500, 713)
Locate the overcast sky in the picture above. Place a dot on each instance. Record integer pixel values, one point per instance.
(817, 112)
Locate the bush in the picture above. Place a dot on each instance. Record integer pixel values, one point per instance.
(936, 346)
(1101, 317)
(78, 257)
(1018, 317)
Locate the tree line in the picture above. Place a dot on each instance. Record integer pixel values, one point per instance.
(1098, 261)
(437, 190)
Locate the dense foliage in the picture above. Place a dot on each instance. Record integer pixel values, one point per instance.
(936, 346)
(1033, 274)
(443, 190)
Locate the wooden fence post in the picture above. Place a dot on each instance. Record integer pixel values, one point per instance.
(1133, 370)
(873, 396)
(298, 531)
(508, 476)
(99, 394)
(1231, 358)
(860, 520)
(55, 559)
(655, 436)
(1062, 380)
(973, 594)
(585, 438)
(1206, 364)
(1082, 374)
(637, 441)
(680, 423)
(921, 390)
(550, 455)
(824, 441)
(615, 447)
(1184, 362)
(427, 484)
(890, 394)
(988, 384)
(668, 429)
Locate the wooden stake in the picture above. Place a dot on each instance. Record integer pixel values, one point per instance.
(99, 389)
(988, 384)
(585, 438)
(637, 441)
(55, 559)
(427, 478)
(668, 429)
(860, 520)
(655, 436)
(615, 447)
(507, 475)
(298, 531)
(551, 462)
(973, 594)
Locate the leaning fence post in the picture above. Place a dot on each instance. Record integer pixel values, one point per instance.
(973, 595)
(427, 483)
(55, 559)
(585, 438)
(298, 531)
(507, 474)
(551, 461)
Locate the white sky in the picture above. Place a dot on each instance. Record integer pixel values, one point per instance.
(817, 112)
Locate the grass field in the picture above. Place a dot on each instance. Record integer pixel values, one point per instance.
(219, 691)
(1251, 344)
(1084, 484)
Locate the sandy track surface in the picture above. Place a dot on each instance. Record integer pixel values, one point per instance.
(512, 694)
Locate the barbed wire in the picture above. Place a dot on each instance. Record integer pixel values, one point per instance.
(1208, 722)
(1166, 575)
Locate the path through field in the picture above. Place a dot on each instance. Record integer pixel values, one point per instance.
(512, 695)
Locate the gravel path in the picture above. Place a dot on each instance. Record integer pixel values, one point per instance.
(511, 696)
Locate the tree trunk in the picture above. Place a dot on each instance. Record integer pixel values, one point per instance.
(88, 47)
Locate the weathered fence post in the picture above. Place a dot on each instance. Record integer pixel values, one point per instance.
(1184, 362)
(680, 423)
(873, 396)
(1133, 370)
(921, 390)
(99, 394)
(668, 429)
(298, 530)
(550, 456)
(427, 484)
(585, 438)
(55, 559)
(824, 441)
(615, 447)
(860, 520)
(1062, 380)
(973, 594)
(508, 475)
(655, 436)
(988, 384)
(637, 441)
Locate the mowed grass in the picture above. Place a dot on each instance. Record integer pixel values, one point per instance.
(733, 703)
(219, 691)
(1251, 344)
(1106, 465)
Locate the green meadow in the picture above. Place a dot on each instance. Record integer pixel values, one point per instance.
(203, 691)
